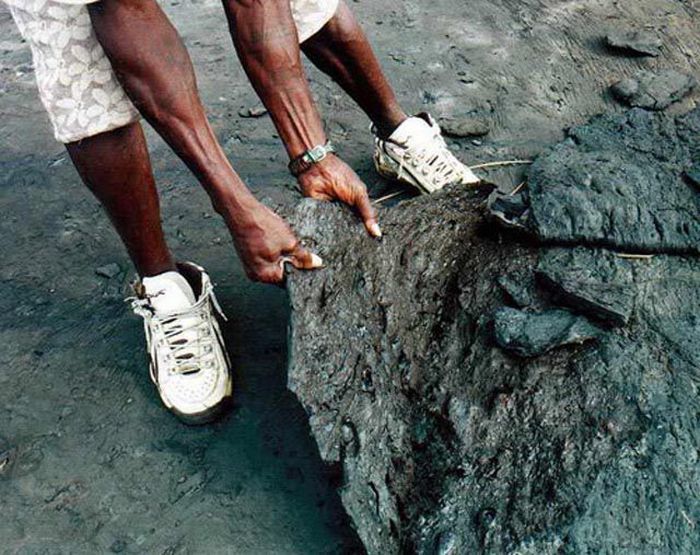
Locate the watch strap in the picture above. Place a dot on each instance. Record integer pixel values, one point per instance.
(314, 155)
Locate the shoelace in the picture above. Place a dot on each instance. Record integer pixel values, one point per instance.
(433, 159)
(184, 350)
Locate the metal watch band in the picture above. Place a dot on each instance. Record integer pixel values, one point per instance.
(312, 156)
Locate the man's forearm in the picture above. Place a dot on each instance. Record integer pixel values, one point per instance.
(265, 37)
(266, 40)
(156, 72)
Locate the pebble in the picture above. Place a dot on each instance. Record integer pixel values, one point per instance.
(252, 112)
(641, 42)
(464, 127)
(108, 271)
(118, 546)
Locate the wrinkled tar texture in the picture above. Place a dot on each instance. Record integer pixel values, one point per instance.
(620, 181)
(466, 426)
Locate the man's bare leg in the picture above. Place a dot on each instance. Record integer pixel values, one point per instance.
(410, 150)
(342, 51)
(115, 166)
(155, 70)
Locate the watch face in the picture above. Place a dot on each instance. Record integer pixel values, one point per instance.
(317, 153)
(310, 157)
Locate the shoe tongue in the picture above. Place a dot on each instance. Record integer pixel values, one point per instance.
(169, 292)
(410, 130)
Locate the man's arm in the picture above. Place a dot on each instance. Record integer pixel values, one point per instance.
(155, 70)
(266, 40)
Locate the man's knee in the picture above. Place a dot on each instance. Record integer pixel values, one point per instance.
(116, 8)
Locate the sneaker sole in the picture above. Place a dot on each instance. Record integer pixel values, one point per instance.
(206, 416)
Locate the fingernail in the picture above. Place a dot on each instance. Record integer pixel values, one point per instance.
(316, 261)
(375, 230)
(284, 260)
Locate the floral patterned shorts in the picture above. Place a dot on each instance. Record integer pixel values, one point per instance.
(76, 82)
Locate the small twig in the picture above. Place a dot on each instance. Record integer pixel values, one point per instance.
(388, 197)
(477, 167)
(688, 519)
(634, 256)
(517, 189)
(498, 164)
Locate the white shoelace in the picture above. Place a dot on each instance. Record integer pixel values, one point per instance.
(434, 160)
(187, 354)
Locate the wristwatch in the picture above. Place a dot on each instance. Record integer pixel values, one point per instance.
(302, 163)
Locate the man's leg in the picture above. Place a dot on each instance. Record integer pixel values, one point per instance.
(155, 70)
(411, 150)
(342, 51)
(116, 168)
(182, 339)
(92, 116)
(99, 126)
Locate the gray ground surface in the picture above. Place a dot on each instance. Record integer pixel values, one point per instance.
(97, 464)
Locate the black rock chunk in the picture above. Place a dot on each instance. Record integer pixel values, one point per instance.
(510, 210)
(530, 334)
(654, 90)
(447, 442)
(638, 42)
(618, 182)
(595, 283)
(520, 288)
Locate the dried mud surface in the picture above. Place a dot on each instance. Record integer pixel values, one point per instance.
(89, 461)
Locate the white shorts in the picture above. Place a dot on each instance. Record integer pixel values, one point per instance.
(76, 82)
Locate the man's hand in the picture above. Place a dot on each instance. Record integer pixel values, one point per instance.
(265, 243)
(333, 179)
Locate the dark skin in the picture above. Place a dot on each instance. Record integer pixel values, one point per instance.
(116, 168)
(156, 72)
(341, 50)
(266, 40)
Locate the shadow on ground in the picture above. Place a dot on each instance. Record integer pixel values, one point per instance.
(90, 460)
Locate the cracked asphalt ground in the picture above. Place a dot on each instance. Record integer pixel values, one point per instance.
(89, 461)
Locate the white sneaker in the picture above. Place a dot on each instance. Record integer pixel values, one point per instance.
(188, 360)
(416, 153)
